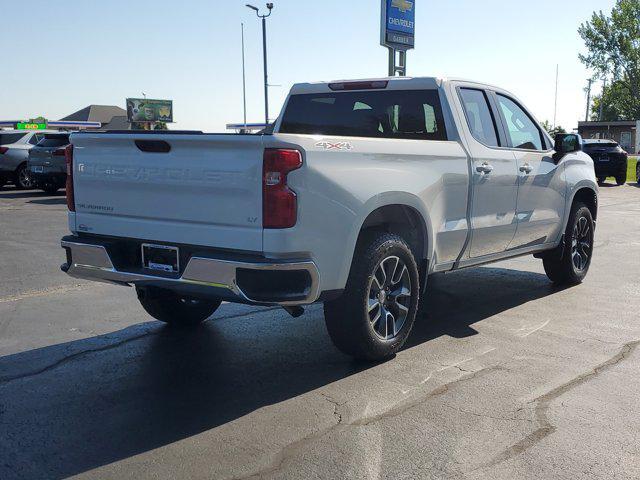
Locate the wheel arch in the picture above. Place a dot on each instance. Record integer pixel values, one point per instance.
(403, 215)
(587, 195)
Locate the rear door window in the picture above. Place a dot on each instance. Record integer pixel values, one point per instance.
(479, 117)
(7, 138)
(399, 114)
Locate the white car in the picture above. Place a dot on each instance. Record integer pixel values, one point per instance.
(358, 193)
(14, 153)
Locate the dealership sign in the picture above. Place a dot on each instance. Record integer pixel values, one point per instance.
(398, 24)
(147, 110)
(31, 126)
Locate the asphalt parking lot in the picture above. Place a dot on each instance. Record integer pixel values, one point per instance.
(504, 377)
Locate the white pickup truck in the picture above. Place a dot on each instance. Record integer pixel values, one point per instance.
(360, 191)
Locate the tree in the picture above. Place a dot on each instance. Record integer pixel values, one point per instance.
(613, 52)
(552, 131)
(617, 104)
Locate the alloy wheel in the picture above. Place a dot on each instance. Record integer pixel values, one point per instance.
(581, 244)
(389, 297)
(24, 178)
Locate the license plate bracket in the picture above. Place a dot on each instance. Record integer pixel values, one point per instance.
(161, 258)
(37, 169)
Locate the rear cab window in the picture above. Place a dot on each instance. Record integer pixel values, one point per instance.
(395, 114)
(54, 140)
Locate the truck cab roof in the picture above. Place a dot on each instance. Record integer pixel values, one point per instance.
(388, 83)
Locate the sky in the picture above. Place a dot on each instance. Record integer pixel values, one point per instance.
(60, 56)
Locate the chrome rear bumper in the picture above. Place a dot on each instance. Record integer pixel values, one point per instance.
(92, 262)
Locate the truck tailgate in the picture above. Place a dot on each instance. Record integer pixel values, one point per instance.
(206, 190)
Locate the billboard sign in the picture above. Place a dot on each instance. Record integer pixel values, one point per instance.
(398, 24)
(147, 110)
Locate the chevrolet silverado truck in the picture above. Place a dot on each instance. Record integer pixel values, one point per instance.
(357, 193)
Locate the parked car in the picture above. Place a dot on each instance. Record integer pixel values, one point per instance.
(14, 153)
(609, 159)
(363, 190)
(47, 162)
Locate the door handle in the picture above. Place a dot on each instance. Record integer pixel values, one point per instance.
(484, 168)
(526, 168)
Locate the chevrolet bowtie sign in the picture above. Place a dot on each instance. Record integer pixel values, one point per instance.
(403, 5)
(398, 24)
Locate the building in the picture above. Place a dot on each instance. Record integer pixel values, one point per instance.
(623, 132)
(110, 116)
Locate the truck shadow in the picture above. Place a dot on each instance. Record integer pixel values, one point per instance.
(69, 408)
(39, 195)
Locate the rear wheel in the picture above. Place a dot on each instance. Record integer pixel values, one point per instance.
(621, 178)
(569, 263)
(601, 180)
(374, 316)
(23, 178)
(175, 309)
(50, 188)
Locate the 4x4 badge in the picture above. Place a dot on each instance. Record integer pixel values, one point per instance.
(334, 145)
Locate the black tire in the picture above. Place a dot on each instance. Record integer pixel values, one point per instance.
(23, 180)
(621, 179)
(174, 309)
(50, 188)
(601, 180)
(561, 265)
(638, 172)
(349, 318)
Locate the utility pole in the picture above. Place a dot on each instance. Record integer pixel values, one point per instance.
(586, 115)
(604, 87)
(555, 105)
(264, 55)
(244, 82)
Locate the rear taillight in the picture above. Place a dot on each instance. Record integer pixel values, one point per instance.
(4, 150)
(68, 156)
(279, 202)
(60, 152)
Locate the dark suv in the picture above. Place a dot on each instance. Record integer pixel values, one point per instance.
(47, 162)
(609, 159)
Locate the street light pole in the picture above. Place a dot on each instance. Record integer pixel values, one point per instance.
(264, 55)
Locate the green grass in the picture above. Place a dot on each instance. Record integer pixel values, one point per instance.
(631, 171)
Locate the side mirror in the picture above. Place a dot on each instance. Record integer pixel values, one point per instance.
(566, 143)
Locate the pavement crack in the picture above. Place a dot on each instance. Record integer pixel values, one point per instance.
(66, 359)
(419, 399)
(336, 407)
(543, 402)
(290, 450)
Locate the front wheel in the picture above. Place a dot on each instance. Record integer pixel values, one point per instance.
(50, 188)
(23, 178)
(374, 316)
(175, 309)
(569, 263)
(638, 173)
